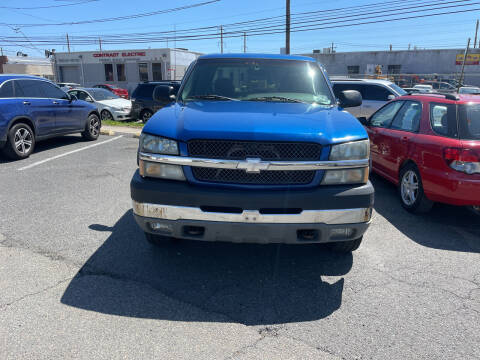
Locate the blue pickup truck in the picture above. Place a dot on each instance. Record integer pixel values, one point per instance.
(254, 148)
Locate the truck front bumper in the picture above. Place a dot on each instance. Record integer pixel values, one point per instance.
(317, 215)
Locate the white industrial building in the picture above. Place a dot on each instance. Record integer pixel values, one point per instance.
(124, 68)
(26, 65)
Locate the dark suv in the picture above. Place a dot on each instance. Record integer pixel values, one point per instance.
(143, 105)
(33, 108)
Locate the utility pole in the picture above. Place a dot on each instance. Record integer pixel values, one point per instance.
(287, 28)
(221, 39)
(333, 48)
(1, 50)
(463, 65)
(68, 43)
(100, 43)
(476, 33)
(244, 42)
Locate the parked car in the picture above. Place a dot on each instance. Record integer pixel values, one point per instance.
(423, 88)
(67, 86)
(254, 148)
(429, 146)
(123, 93)
(440, 86)
(33, 109)
(109, 105)
(144, 106)
(375, 93)
(469, 90)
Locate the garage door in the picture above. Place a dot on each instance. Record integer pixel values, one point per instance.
(70, 74)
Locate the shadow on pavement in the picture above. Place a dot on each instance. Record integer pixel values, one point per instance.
(249, 284)
(445, 227)
(48, 144)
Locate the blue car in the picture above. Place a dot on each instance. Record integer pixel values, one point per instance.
(254, 148)
(33, 109)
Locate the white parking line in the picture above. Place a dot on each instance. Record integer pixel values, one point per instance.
(68, 153)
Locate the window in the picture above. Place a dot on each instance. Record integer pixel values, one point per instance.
(157, 71)
(258, 80)
(6, 90)
(375, 93)
(408, 118)
(469, 121)
(28, 89)
(108, 72)
(81, 95)
(143, 71)
(443, 119)
(145, 91)
(51, 91)
(394, 69)
(384, 116)
(121, 72)
(354, 69)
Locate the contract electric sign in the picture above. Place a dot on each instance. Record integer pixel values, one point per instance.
(125, 54)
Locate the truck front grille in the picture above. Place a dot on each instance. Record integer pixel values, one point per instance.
(241, 150)
(262, 178)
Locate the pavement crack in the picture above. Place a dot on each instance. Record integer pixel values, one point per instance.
(3, 306)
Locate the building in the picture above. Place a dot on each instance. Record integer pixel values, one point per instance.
(442, 64)
(26, 65)
(124, 68)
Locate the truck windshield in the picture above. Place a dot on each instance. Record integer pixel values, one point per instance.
(257, 80)
(469, 121)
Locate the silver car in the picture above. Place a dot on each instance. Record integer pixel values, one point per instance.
(110, 106)
(375, 93)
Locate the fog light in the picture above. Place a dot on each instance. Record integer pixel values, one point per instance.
(160, 227)
(163, 171)
(341, 233)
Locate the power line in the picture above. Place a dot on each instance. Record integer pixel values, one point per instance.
(118, 18)
(47, 7)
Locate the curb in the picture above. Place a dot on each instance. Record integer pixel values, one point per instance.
(113, 133)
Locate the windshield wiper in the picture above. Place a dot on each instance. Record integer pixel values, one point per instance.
(275, 98)
(211, 97)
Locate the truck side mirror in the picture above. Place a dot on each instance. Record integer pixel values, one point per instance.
(164, 94)
(349, 98)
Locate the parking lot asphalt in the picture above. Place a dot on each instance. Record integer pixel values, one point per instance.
(78, 279)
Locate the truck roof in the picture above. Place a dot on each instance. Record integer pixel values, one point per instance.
(257, 56)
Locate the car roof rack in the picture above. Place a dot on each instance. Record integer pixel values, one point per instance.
(448, 96)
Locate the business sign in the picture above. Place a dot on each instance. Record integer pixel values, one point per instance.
(472, 59)
(118, 54)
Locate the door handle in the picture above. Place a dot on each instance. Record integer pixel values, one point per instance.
(56, 102)
(26, 103)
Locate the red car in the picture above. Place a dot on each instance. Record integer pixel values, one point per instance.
(123, 93)
(429, 145)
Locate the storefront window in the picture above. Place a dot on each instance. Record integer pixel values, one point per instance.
(143, 71)
(121, 72)
(157, 71)
(108, 72)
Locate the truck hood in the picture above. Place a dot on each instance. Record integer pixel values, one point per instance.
(248, 120)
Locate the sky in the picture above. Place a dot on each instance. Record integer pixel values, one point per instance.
(436, 32)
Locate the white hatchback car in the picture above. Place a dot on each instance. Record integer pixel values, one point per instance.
(110, 106)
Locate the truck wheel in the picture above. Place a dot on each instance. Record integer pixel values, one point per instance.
(157, 239)
(345, 246)
(20, 142)
(92, 128)
(411, 193)
(145, 115)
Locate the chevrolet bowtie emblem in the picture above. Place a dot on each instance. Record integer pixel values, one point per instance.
(254, 165)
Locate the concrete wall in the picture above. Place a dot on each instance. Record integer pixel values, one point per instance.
(411, 61)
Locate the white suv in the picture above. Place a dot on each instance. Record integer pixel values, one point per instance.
(375, 93)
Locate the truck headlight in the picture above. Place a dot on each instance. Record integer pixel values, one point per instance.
(161, 171)
(356, 150)
(157, 145)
